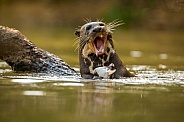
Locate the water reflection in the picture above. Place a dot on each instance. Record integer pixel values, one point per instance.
(136, 54)
(94, 103)
(161, 66)
(27, 81)
(34, 93)
(163, 56)
(68, 84)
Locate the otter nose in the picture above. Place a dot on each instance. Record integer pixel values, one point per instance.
(98, 29)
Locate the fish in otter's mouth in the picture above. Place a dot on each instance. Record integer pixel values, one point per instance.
(99, 43)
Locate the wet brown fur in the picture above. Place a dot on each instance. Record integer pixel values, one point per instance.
(87, 57)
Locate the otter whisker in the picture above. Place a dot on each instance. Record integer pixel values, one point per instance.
(99, 20)
(78, 46)
(114, 24)
(76, 40)
(80, 43)
(87, 20)
(76, 43)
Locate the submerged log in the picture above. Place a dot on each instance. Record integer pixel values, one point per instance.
(24, 56)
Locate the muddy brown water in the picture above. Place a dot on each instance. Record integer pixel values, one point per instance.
(157, 94)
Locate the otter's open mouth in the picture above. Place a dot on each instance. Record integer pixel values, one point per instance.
(99, 44)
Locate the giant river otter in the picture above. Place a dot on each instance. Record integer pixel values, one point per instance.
(96, 49)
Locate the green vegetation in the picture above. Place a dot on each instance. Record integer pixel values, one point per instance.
(142, 14)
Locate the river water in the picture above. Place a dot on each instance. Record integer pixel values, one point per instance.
(155, 95)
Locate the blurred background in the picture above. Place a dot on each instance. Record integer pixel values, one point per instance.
(153, 33)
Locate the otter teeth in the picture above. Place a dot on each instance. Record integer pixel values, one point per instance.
(100, 50)
(101, 36)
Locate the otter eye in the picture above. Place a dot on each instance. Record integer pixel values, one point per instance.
(101, 24)
(88, 27)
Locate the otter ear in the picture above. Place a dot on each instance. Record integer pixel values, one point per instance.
(77, 33)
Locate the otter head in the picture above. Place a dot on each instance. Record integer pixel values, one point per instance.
(94, 36)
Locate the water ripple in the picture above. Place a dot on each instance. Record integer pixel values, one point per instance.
(145, 75)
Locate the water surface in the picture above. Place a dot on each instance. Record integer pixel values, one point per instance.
(156, 94)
